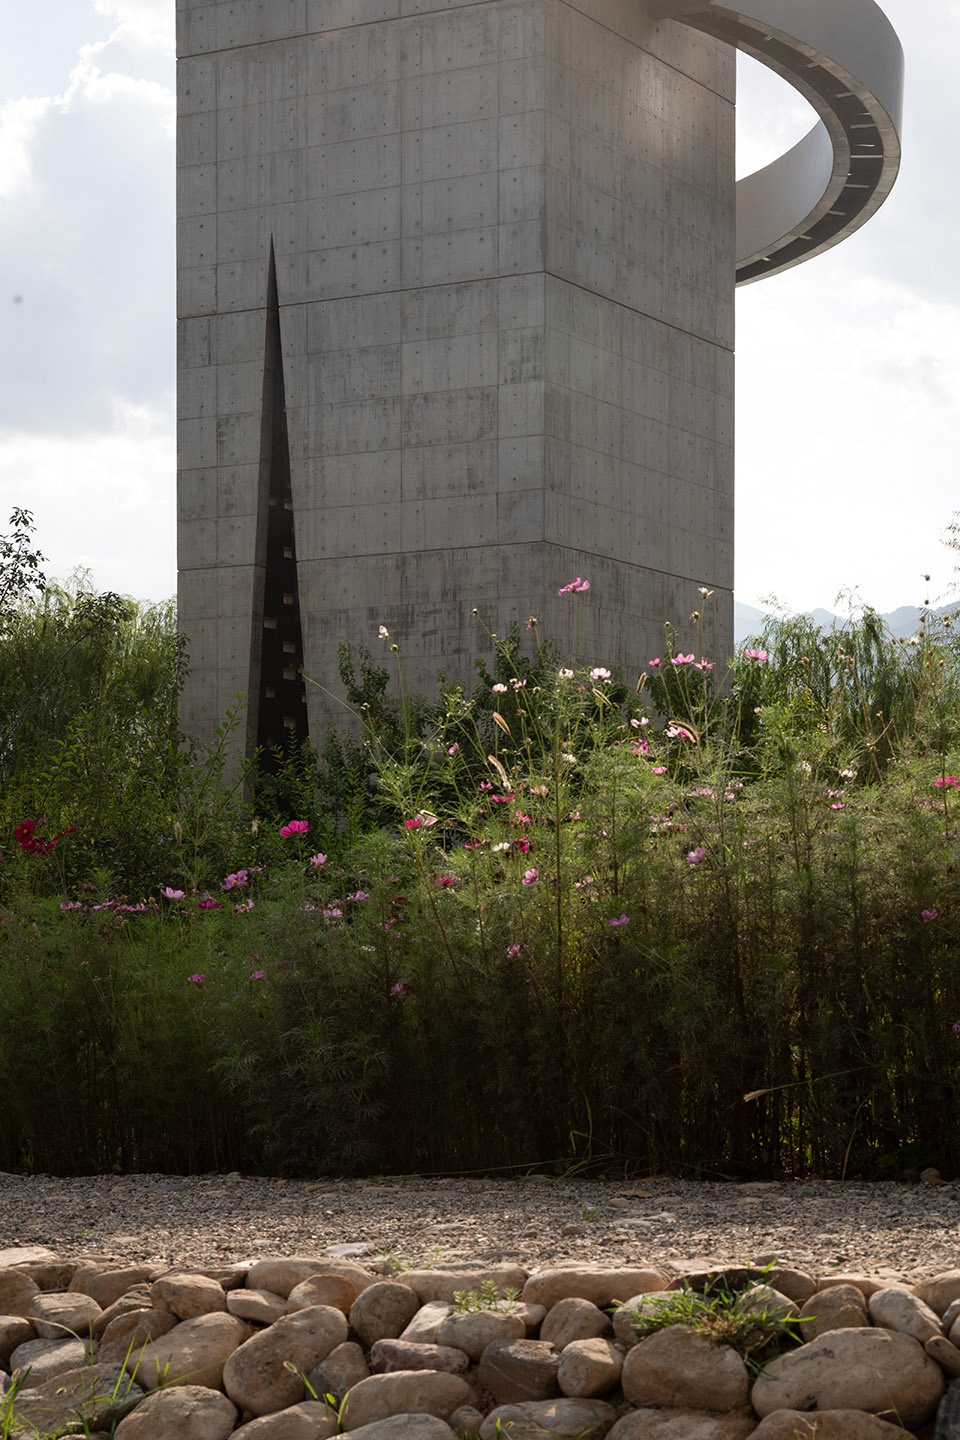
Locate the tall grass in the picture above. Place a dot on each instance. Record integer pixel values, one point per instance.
(703, 921)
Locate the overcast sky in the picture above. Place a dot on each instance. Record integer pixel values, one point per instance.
(848, 375)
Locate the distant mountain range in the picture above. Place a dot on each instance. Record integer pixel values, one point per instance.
(748, 621)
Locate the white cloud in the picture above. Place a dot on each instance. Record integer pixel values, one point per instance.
(103, 501)
(141, 24)
(19, 121)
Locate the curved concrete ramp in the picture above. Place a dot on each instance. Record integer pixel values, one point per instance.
(845, 58)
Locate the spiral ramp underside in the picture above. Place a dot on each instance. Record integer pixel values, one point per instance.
(845, 58)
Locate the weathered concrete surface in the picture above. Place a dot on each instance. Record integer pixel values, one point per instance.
(503, 244)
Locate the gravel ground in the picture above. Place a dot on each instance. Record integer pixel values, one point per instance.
(891, 1230)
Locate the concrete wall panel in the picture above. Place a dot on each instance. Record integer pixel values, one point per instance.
(503, 246)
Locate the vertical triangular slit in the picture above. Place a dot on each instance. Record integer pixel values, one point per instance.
(282, 707)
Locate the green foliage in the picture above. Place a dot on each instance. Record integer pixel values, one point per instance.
(487, 1296)
(750, 1323)
(708, 927)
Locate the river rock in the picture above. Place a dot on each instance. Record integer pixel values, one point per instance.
(94, 1395)
(473, 1330)
(412, 1392)
(128, 1334)
(16, 1293)
(897, 1309)
(519, 1370)
(106, 1283)
(403, 1427)
(684, 1425)
(446, 1284)
(382, 1312)
(192, 1353)
(589, 1367)
(267, 1372)
(826, 1425)
(47, 1358)
(881, 1371)
(842, 1307)
(682, 1370)
(263, 1307)
(573, 1319)
(425, 1325)
(629, 1319)
(310, 1420)
(188, 1295)
(281, 1275)
(940, 1291)
(597, 1283)
(14, 1331)
(947, 1356)
(61, 1314)
(543, 1419)
(388, 1356)
(343, 1367)
(136, 1298)
(866, 1284)
(185, 1412)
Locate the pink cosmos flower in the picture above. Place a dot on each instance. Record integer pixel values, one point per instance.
(947, 782)
(171, 894)
(236, 881)
(514, 951)
(599, 672)
(454, 748)
(658, 769)
(530, 877)
(398, 990)
(318, 860)
(333, 912)
(499, 688)
(207, 902)
(695, 855)
(257, 974)
(654, 663)
(358, 897)
(294, 827)
(760, 655)
(703, 664)
(677, 732)
(576, 587)
(195, 979)
(928, 915)
(682, 659)
(621, 920)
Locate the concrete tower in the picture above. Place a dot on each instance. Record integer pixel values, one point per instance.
(456, 317)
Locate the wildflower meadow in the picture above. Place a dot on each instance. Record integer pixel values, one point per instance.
(700, 918)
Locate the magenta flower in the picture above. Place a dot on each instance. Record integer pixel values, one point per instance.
(947, 782)
(703, 664)
(760, 655)
(621, 920)
(294, 827)
(654, 663)
(235, 881)
(675, 732)
(530, 877)
(398, 990)
(333, 912)
(576, 587)
(928, 915)
(446, 882)
(318, 860)
(195, 979)
(454, 748)
(695, 855)
(257, 974)
(514, 952)
(207, 902)
(658, 769)
(171, 894)
(358, 897)
(955, 1027)
(682, 659)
